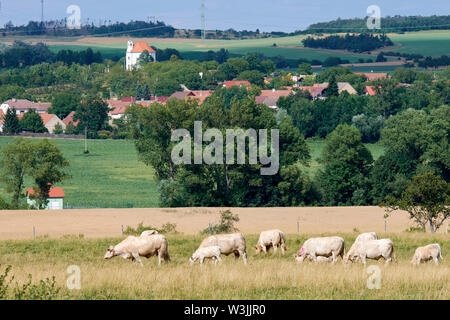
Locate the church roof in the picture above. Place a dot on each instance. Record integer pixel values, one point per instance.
(141, 46)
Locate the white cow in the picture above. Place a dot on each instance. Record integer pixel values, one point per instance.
(147, 233)
(271, 238)
(228, 243)
(371, 249)
(367, 236)
(212, 252)
(324, 246)
(364, 237)
(320, 259)
(135, 247)
(427, 253)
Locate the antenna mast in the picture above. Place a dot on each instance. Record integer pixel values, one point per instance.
(203, 20)
(42, 10)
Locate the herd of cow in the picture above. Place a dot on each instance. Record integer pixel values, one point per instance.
(323, 249)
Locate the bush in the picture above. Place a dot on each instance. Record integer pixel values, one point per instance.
(166, 228)
(225, 225)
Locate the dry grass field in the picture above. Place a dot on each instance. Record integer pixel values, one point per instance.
(80, 237)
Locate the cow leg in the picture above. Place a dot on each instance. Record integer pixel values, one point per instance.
(436, 260)
(275, 247)
(244, 256)
(201, 260)
(236, 255)
(282, 249)
(218, 259)
(264, 248)
(363, 259)
(313, 256)
(137, 258)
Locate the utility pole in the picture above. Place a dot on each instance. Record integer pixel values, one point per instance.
(42, 11)
(85, 140)
(203, 20)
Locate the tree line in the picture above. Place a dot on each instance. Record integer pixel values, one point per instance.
(363, 42)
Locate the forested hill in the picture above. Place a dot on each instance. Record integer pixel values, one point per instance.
(388, 24)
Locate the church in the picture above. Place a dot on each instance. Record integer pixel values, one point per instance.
(135, 50)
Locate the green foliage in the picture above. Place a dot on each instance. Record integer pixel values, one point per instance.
(58, 129)
(344, 180)
(44, 290)
(167, 228)
(32, 121)
(332, 90)
(304, 68)
(64, 103)
(93, 114)
(426, 199)
(11, 124)
(354, 42)
(225, 224)
(4, 283)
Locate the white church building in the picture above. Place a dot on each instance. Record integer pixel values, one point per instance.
(135, 50)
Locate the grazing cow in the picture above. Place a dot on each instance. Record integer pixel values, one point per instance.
(318, 258)
(367, 236)
(427, 253)
(364, 237)
(271, 238)
(200, 254)
(324, 247)
(371, 249)
(135, 247)
(228, 243)
(147, 233)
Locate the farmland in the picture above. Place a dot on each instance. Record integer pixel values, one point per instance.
(432, 43)
(264, 277)
(111, 176)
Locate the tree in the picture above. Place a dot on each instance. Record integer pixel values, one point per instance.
(146, 94)
(145, 57)
(64, 103)
(47, 168)
(139, 93)
(332, 90)
(347, 162)
(426, 198)
(58, 129)
(93, 114)
(32, 121)
(11, 124)
(15, 164)
(304, 68)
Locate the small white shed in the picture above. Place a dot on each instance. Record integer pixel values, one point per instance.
(55, 199)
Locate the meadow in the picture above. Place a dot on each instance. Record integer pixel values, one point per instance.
(111, 176)
(264, 277)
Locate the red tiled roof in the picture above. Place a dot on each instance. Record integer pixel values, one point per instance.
(2, 115)
(371, 91)
(128, 99)
(46, 117)
(142, 46)
(276, 93)
(229, 84)
(201, 95)
(69, 119)
(23, 105)
(372, 75)
(55, 192)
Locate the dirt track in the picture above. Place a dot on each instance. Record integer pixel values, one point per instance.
(94, 223)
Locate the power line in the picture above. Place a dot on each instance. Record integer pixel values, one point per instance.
(203, 22)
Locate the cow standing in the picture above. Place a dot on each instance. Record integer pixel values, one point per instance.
(228, 243)
(325, 246)
(271, 238)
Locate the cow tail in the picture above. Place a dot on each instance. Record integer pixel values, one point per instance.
(165, 253)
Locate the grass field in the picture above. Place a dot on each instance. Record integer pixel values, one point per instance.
(264, 277)
(111, 176)
(428, 43)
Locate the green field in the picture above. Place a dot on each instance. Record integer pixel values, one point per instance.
(111, 176)
(428, 43)
(266, 276)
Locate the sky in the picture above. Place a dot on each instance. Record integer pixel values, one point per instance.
(266, 15)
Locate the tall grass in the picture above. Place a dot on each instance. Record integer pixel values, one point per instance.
(266, 276)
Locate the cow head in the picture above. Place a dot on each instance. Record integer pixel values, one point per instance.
(258, 248)
(283, 245)
(109, 253)
(193, 259)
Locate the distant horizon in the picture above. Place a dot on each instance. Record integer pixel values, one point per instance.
(265, 15)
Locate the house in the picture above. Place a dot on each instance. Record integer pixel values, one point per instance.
(22, 106)
(229, 84)
(345, 86)
(55, 199)
(135, 50)
(317, 91)
(201, 95)
(370, 76)
(270, 97)
(51, 121)
(69, 119)
(370, 91)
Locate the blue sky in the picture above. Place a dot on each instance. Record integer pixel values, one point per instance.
(267, 15)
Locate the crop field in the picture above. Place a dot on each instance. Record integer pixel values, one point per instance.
(111, 176)
(266, 276)
(428, 43)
